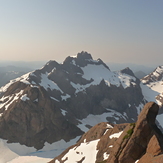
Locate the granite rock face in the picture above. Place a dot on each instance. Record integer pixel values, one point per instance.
(132, 144)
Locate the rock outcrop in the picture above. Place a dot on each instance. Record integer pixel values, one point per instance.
(140, 142)
(132, 144)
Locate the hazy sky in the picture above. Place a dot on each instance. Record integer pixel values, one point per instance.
(113, 30)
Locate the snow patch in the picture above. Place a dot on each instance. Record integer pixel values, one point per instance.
(63, 112)
(88, 151)
(54, 99)
(10, 99)
(29, 159)
(24, 97)
(139, 108)
(48, 84)
(65, 97)
(100, 72)
(116, 135)
(92, 120)
(105, 156)
(5, 153)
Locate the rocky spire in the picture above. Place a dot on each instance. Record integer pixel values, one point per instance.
(132, 144)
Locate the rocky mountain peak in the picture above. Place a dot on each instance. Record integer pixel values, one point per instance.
(128, 71)
(84, 55)
(82, 60)
(132, 144)
(155, 76)
(120, 143)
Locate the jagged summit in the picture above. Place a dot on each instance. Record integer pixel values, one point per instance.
(84, 55)
(155, 76)
(83, 59)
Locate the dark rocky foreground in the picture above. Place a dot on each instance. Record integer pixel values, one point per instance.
(140, 142)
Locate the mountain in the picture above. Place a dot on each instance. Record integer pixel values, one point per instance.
(140, 142)
(59, 102)
(134, 67)
(154, 81)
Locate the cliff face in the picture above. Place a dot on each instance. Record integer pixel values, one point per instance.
(52, 103)
(140, 142)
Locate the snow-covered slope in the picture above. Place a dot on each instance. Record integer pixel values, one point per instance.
(153, 85)
(152, 89)
(8, 156)
(5, 153)
(90, 146)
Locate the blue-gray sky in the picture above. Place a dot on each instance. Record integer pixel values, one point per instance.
(113, 30)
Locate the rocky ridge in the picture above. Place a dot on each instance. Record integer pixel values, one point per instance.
(139, 142)
(154, 81)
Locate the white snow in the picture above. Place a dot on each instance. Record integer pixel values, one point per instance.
(116, 135)
(5, 153)
(26, 154)
(139, 108)
(100, 72)
(106, 131)
(148, 93)
(65, 97)
(85, 150)
(24, 97)
(155, 88)
(105, 156)
(63, 112)
(23, 79)
(54, 98)
(74, 56)
(33, 86)
(48, 84)
(109, 126)
(80, 88)
(92, 120)
(152, 90)
(8, 100)
(29, 159)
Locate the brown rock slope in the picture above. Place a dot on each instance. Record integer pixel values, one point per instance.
(140, 142)
(133, 143)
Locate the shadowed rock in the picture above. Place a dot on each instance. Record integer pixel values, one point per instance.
(132, 144)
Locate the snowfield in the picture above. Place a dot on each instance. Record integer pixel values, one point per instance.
(16, 153)
(29, 159)
(86, 151)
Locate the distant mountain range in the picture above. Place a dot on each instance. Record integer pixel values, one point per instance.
(8, 73)
(61, 101)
